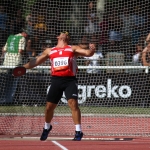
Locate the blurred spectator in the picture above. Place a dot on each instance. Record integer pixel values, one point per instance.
(40, 29)
(10, 26)
(95, 59)
(30, 49)
(104, 28)
(1, 56)
(19, 22)
(127, 20)
(3, 22)
(40, 25)
(138, 24)
(127, 24)
(28, 17)
(3, 19)
(13, 50)
(146, 27)
(84, 41)
(92, 19)
(29, 24)
(139, 48)
(44, 45)
(115, 28)
(36, 44)
(146, 55)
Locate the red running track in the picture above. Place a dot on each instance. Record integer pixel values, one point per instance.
(93, 125)
(137, 144)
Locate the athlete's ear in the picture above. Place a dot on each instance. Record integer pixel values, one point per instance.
(68, 39)
(57, 37)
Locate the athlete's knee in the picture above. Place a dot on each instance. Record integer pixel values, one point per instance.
(73, 104)
(50, 106)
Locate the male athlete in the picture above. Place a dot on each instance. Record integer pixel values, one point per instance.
(63, 78)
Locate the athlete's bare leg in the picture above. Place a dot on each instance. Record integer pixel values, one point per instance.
(49, 111)
(76, 114)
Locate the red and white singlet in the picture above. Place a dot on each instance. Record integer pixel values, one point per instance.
(63, 61)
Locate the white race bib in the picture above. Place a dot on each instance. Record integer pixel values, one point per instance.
(60, 63)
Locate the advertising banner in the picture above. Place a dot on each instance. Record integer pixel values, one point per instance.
(111, 89)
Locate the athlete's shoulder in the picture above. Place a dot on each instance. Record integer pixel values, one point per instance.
(53, 48)
(47, 50)
(69, 46)
(74, 47)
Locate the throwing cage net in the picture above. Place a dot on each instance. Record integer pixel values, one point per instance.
(113, 84)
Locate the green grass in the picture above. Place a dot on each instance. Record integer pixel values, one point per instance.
(84, 110)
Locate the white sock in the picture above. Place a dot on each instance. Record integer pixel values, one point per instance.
(78, 127)
(47, 125)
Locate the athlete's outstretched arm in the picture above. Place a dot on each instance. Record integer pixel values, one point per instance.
(38, 60)
(148, 37)
(84, 52)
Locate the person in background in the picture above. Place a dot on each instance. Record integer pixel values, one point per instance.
(3, 26)
(41, 25)
(18, 22)
(83, 43)
(115, 28)
(127, 22)
(95, 59)
(29, 24)
(13, 51)
(1, 56)
(39, 32)
(63, 79)
(146, 55)
(138, 25)
(92, 19)
(103, 37)
(31, 52)
(139, 48)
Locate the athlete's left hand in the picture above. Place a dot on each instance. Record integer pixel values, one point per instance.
(92, 47)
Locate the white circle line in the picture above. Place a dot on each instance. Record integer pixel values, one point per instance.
(61, 146)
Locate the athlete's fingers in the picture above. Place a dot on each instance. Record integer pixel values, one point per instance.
(92, 46)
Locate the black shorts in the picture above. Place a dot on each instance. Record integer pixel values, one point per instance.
(59, 85)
